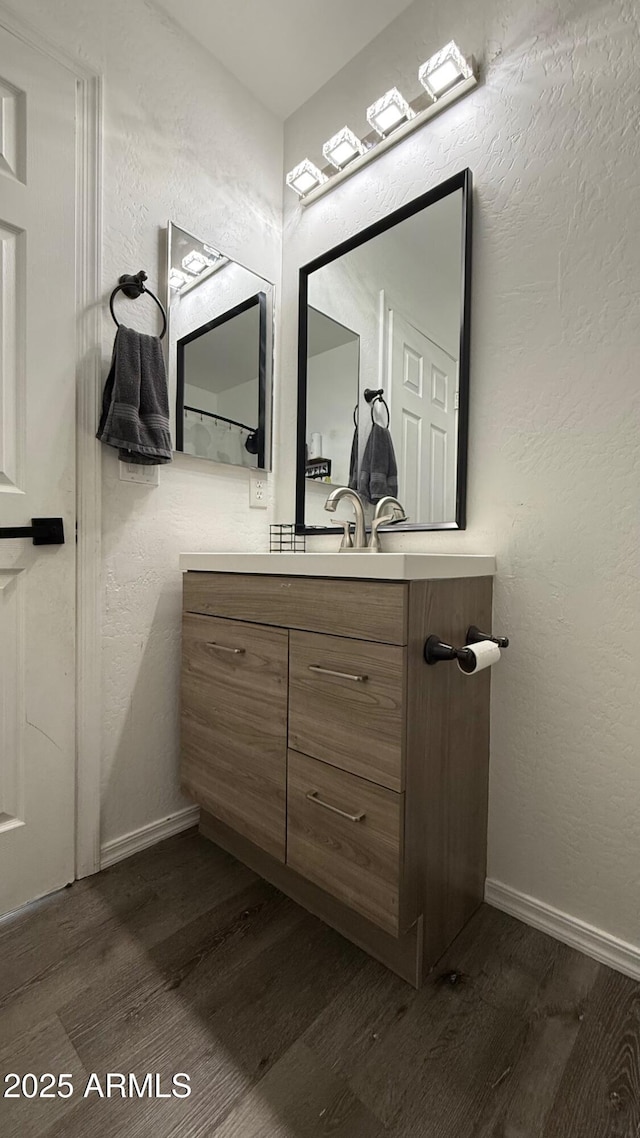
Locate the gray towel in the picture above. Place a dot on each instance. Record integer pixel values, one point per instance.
(379, 470)
(135, 404)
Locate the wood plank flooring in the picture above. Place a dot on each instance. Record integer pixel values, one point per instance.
(182, 960)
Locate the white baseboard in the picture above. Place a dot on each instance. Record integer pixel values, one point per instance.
(578, 934)
(128, 844)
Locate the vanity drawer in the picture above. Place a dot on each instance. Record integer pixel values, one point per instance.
(346, 835)
(234, 725)
(346, 704)
(368, 610)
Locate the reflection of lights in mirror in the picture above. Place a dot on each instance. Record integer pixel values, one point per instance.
(446, 76)
(177, 279)
(220, 346)
(388, 312)
(195, 262)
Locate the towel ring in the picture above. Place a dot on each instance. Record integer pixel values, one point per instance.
(133, 287)
(372, 397)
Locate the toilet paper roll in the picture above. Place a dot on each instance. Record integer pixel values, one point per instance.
(316, 446)
(483, 655)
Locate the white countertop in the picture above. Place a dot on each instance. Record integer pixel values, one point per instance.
(372, 566)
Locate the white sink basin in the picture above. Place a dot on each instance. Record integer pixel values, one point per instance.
(380, 566)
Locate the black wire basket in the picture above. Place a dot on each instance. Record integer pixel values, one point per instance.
(284, 539)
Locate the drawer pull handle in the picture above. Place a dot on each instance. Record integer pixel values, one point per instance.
(342, 675)
(224, 648)
(312, 796)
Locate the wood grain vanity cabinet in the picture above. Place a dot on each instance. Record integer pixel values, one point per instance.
(330, 758)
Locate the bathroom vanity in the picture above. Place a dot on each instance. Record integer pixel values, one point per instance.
(323, 750)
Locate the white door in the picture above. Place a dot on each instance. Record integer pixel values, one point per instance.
(423, 395)
(37, 473)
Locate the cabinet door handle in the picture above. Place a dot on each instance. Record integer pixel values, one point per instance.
(224, 648)
(342, 675)
(312, 796)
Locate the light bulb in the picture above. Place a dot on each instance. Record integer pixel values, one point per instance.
(305, 177)
(389, 112)
(342, 148)
(177, 280)
(444, 70)
(195, 262)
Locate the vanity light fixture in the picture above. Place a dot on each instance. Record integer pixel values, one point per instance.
(444, 70)
(389, 112)
(446, 77)
(342, 148)
(177, 280)
(305, 177)
(195, 262)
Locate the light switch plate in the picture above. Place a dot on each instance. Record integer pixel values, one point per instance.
(134, 472)
(258, 490)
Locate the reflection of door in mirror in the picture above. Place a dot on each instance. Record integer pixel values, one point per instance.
(423, 381)
(333, 356)
(220, 392)
(220, 348)
(402, 289)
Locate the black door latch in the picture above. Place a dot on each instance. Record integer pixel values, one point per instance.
(44, 531)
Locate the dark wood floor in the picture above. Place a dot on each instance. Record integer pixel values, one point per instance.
(181, 960)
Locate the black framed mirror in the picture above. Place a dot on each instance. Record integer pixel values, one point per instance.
(219, 354)
(383, 364)
(221, 386)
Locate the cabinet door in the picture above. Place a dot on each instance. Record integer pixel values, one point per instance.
(234, 725)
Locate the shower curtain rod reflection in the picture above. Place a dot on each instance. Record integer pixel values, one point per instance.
(222, 418)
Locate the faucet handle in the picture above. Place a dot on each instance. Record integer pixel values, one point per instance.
(346, 542)
(374, 544)
(383, 505)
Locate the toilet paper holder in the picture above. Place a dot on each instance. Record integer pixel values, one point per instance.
(436, 650)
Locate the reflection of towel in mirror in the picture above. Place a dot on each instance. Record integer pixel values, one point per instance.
(379, 470)
(135, 404)
(353, 463)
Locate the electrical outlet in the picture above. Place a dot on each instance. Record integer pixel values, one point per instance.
(257, 491)
(134, 472)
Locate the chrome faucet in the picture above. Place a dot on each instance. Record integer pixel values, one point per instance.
(388, 509)
(360, 537)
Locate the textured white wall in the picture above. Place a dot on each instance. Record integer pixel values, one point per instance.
(551, 136)
(183, 140)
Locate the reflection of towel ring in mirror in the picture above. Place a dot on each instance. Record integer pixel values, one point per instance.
(372, 397)
(133, 287)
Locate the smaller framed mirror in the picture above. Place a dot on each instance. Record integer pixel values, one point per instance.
(220, 354)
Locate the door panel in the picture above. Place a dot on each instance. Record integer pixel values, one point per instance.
(37, 472)
(422, 388)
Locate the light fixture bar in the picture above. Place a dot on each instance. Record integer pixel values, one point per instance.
(396, 135)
